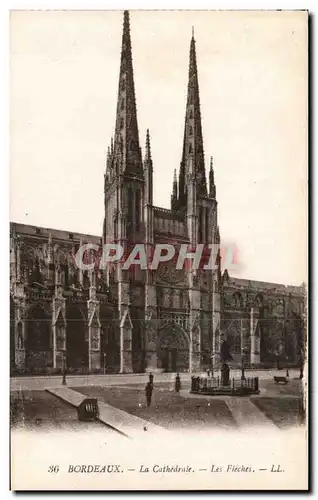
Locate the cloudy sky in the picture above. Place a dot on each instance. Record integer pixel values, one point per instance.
(253, 86)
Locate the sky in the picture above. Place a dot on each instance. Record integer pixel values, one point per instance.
(252, 68)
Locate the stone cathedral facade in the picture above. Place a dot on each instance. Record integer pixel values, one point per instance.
(122, 321)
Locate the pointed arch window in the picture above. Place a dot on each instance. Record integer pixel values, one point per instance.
(191, 114)
(190, 148)
(115, 228)
(64, 268)
(130, 207)
(200, 225)
(190, 130)
(121, 123)
(122, 104)
(207, 226)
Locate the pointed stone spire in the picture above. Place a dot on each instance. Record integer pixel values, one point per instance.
(147, 149)
(174, 196)
(212, 189)
(126, 145)
(175, 182)
(193, 140)
(148, 172)
(182, 199)
(108, 158)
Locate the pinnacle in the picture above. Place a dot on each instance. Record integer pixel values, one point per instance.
(147, 149)
(212, 190)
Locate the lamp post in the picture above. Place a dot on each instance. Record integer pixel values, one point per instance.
(64, 369)
(104, 362)
(211, 363)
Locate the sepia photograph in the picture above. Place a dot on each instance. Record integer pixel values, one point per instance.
(158, 250)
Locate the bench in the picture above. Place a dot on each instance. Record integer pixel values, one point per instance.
(281, 380)
(87, 408)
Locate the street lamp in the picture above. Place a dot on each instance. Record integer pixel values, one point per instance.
(104, 362)
(64, 369)
(211, 363)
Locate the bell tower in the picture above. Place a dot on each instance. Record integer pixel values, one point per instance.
(123, 191)
(199, 207)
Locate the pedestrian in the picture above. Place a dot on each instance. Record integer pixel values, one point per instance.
(148, 390)
(177, 383)
(151, 379)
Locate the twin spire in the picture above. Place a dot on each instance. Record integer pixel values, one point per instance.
(124, 155)
(192, 162)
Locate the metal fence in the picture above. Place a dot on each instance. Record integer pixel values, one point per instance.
(210, 385)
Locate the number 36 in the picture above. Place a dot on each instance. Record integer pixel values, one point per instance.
(53, 468)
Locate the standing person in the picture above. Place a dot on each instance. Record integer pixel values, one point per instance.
(177, 383)
(151, 379)
(148, 391)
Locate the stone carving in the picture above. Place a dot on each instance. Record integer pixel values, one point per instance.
(179, 319)
(278, 307)
(173, 337)
(168, 273)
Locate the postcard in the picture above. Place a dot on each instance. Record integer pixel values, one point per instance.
(158, 250)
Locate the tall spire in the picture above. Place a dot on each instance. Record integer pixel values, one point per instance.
(126, 144)
(148, 178)
(212, 189)
(193, 140)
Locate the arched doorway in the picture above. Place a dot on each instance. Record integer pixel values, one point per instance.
(38, 340)
(76, 341)
(174, 348)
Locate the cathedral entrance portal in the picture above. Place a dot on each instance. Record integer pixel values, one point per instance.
(174, 349)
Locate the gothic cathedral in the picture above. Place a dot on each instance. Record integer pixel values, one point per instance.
(135, 320)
